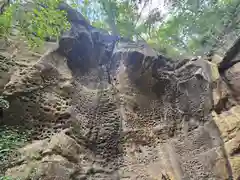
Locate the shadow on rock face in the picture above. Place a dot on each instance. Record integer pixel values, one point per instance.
(77, 46)
(134, 60)
(161, 86)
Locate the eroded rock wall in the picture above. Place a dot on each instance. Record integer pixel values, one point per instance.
(115, 110)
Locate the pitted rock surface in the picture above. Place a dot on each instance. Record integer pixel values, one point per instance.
(115, 111)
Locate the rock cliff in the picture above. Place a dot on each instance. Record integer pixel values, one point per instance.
(103, 107)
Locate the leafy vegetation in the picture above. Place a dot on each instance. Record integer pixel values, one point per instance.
(33, 21)
(179, 27)
(187, 27)
(7, 178)
(4, 104)
(11, 139)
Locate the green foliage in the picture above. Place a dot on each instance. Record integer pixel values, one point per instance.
(7, 178)
(121, 17)
(11, 138)
(6, 20)
(4, 104)
(197, 26)
(190, 27)
(34, 21)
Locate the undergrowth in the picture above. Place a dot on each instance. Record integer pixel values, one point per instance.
(10, 140)
(7, 178)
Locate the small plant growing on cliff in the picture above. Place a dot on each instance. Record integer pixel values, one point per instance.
(6, 178)
(33, 21)
(4, 104)
(11, 139)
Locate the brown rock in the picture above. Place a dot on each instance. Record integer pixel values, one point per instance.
(127, 118)
(235, 165)
(233, 77)
(41, 160)
(54, 167)
(33, 150)
(228, 123)
(167, 121)
(233, 145)
(65, 146)
(23, 171)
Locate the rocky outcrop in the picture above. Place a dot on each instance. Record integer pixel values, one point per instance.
(44, 159)
(226, 115)
(101, 109)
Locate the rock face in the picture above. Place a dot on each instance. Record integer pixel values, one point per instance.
(227, 116)
(101, 109)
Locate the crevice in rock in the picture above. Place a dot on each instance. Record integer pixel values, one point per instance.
(223, 105)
